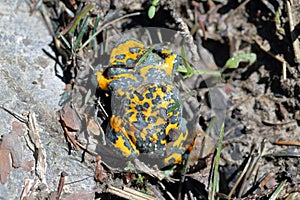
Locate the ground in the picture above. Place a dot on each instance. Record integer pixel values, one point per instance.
(51, 132)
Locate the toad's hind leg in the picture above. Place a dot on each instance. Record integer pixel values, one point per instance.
(120, 138)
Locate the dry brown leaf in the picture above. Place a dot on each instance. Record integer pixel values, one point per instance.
(10, 146)
(203, 146)
(27, 165)
(18, 128)
(100, 174)
(70, 117)
(5, 165)
(14, 145)
(92, 125)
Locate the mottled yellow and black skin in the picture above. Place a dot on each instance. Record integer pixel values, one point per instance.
(146, 111)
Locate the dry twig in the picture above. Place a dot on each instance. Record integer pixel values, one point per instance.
(128, 193)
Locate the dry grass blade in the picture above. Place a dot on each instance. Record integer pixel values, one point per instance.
(253, 166)
(140, 166)
(39, 151)
(106, 25)
(81, 33)
(128, 193)
(287, 143)
(14, 114)
(239, 179)
(277, 57)
(71, 27)
(277, 191)
(216, 165)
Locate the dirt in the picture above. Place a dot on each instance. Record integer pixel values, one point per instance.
(258, 102)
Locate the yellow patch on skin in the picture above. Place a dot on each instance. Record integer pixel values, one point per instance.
(155, 138)
(163, 141)
(169, 60)
(116, 123)
(126, 75)
(176, 156)
(166, 51)
(143, 134)
(182, 137)
(170, 126)
(133, 117)
(160, 121)
(120, 92)
(164, 67)
(131, 141)
(120, 145)
(102, 81)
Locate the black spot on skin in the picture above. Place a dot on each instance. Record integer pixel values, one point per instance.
(163, 88)
(120, 56)
(173, 119)
(140, 117)
(146, 105)
(134, 50)
(152, 90)
(149, 95)
(157, 100)
(140, 123)
(152, 120)
(139, 107)
(130, 114)
(130, 61)
(141, 98)
(131, 96)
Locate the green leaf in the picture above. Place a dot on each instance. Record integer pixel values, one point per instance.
(179, 102)
(64, 40)
(215, 182)
(78, 18)
(65, 98)
(145, 55)
(182, 69)
(188, 71)
(81, 33)
(94, 30)
(188, 68)
(277, 191)
(233, 63)
(151, 12)
(155, 2)
(174, 107)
